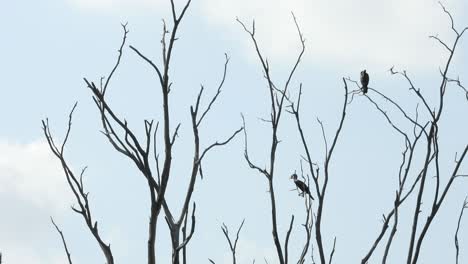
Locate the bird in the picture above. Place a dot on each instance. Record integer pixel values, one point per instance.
(301, 185)
(364, 81)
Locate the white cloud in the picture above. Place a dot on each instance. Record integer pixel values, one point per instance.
(360, 33)
(32, 188)
(116, 5)
(21, 255)
(365, 32)
(31, 173)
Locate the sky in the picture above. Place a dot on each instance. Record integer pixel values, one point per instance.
(48, 46)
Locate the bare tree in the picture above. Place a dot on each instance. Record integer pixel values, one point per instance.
(320, 184)
(420, 138)
(424, 133)
(124, 140)
(277, 100)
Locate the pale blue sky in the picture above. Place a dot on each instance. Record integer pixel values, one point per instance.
(48, 46)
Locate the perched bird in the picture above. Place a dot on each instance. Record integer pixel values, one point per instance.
(302, 186)
(364, 81)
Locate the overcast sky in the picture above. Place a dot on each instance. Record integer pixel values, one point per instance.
(48, 46)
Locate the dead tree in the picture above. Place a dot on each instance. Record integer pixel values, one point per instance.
(278, 101)
(141, 152)
(426, 134)
(320, 183)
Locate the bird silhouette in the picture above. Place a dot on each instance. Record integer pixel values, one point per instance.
(364, 81)
(301, 186)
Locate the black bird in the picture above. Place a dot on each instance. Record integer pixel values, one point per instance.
(364, 81)
(302, 186)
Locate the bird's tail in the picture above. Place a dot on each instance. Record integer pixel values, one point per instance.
(310, 195)
(364, 89)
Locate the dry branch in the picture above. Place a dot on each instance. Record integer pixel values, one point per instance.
(76, 186)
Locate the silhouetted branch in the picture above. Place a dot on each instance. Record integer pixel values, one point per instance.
(394, 229)
(457, 247)
(318, 222)
(246, 153)
(413, 88)
(216, 95)
(63, 242)
(232, 244)
(192, 230)
(433, 141)
(319, 188)
(175, 224)
(437, 205)
(459, 84)
(308, 225)
(286, 240)
(333, 251)
(150, 62)
(222, 143)
(104, 88)
(308, 159)
(76, 186)
(388, 216)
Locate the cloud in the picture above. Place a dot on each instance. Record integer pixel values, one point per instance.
(365, 32)
(32, 254)
(32, 188)
(110, 6)
(30, 173)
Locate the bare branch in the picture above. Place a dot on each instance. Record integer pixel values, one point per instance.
(232, 244)
(63, 242)
(394, 229)
(412, 88)
(333, 251)
(192, 230)
(124, 38)
(176, 134)
(441, 42)
(308, 225)
(217, 92)
(246, 153)
(76, 187)
(457, 247)
(156, 68)
(451, 18)
(286, 240)
(437, 206)
(222, 143)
